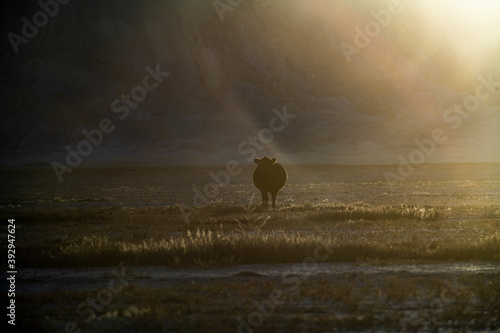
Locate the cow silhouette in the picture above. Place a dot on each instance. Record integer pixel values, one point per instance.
(269, 177)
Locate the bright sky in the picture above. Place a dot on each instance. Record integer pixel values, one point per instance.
(473, 27)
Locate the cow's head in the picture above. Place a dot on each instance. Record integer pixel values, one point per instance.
(265, 163)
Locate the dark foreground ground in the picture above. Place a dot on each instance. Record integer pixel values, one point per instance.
(128, 250)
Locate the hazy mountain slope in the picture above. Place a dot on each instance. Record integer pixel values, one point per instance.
(225, 79)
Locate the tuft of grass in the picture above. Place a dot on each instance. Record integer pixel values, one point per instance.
(208, 248)
(250, 235)
(361, 210)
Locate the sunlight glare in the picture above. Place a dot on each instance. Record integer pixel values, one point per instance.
(471, 26)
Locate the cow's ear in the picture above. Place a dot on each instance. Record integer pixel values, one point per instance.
(273, 161)
(256, 160)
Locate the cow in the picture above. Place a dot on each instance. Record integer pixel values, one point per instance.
(269, 177)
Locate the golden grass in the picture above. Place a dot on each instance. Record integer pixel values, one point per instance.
(208, 248)
(222, 235)
(361, 210)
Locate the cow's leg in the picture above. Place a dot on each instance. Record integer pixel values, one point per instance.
(265, 197)
(273, 194)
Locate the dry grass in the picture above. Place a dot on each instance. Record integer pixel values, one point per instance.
(361, 210)
(222, 235)
(209, 248)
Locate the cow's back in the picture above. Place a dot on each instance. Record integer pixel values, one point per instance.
(273, 180)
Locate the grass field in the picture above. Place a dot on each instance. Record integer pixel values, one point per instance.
(344, 251)
(236, 235)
